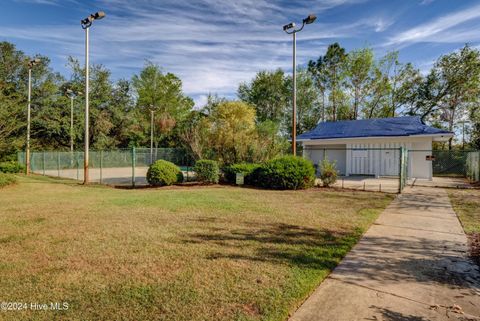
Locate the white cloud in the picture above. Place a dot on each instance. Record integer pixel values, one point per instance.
(426, 2)
(212, 45)
(49, 2)
(435, 31)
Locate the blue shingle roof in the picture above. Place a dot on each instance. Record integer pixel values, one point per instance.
(381, 127)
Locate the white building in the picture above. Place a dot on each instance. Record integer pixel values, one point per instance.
(372, 146)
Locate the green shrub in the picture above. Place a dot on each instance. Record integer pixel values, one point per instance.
(163, 173)
(328, 173)
(7, 179)
(246, 169)
(287, 172)
(207, 171)
(12, 167)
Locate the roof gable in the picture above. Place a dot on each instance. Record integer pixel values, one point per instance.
(379, 127)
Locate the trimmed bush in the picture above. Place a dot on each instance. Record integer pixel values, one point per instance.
(246, 169)
(12, 167)
(328, 173)
(163, 173)
(287, 172)
(207, 171)
(7, 179)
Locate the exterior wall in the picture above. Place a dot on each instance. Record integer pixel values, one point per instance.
(419, 166)
(337, 153)
(374, 156)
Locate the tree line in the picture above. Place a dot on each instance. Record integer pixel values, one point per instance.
(337, 86)
(343, 85)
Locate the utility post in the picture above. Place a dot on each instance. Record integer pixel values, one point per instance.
(290, 29)
(86, 24)
(31, 64)
(151, 134)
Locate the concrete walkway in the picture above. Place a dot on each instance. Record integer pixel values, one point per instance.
(411, 265)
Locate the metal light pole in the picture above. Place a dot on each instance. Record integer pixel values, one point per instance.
(463, 132)
(86, 24)
(71, 94)
(31, 63)
(71, 123)
(151, 135)
(290, 29)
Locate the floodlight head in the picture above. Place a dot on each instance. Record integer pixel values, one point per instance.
(99, 15)
(310, 19)
(34, 62)
(289, 26)
(87, 22)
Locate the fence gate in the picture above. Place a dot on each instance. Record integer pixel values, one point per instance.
(451, 163)
(473, 166)
(403, 169)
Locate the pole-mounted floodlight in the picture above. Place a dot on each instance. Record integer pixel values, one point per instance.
(290, 29)
(289, 26)
(86, 24)
(31, 64)
(34, 62)
(310, 19)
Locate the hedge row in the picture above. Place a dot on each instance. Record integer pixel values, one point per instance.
(164, 173)
(230, 172)
(287, 172)
(7, 179)
(207, 171)
(11, 167)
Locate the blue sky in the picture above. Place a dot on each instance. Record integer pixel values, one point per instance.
(213, 45)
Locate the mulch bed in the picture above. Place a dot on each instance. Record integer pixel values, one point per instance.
(474, 245)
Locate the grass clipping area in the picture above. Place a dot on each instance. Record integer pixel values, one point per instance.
(204, 253)
(466, 204)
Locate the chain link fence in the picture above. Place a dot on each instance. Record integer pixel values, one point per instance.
(121, 167)
(450, 163)
(364, 167)
(386, 170)
(473, 166)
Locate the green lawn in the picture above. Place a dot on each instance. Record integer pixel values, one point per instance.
(181, 253)
(466, 203)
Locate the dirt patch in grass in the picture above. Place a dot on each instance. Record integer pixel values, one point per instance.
(182, 254)
(466, 204)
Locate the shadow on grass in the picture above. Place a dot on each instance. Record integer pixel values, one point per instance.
(386, 259)
(40, 179)
(279, 243)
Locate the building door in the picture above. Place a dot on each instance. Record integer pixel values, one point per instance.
(389, 166)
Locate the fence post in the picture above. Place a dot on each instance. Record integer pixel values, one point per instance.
(43, 163)
(58, 164)
(400, 180)
(133, 166)
(101, 166)
(188, 165)
(76, 159)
